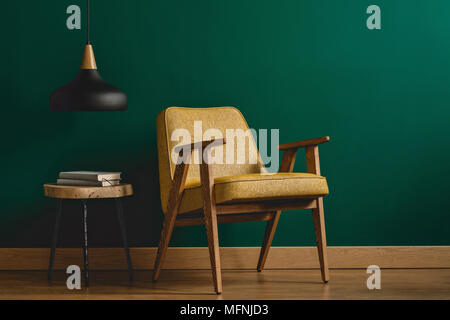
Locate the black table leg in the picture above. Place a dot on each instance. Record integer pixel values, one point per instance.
(55, 236)
(85, 244)
(124, 235)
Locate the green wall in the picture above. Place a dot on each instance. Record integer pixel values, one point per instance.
(307, 67)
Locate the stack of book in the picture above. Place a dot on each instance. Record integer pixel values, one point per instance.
(89, 178)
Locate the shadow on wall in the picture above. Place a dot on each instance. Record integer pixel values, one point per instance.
(142, 214)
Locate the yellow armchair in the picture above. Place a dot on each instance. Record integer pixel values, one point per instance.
(197, 190)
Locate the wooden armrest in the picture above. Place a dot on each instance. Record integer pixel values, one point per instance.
(304, 143)
(200, 145)
(182, 166)
(312, 154)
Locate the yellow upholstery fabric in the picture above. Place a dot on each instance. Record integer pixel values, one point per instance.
(262, 186)
(234, 182)
(221, 118)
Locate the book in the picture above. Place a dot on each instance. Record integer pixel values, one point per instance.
(90, 183)
(90, 175)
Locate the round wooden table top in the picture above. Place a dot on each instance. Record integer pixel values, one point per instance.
(85, 192)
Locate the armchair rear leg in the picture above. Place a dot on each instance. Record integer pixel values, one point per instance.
(268, 237)
(166, 234)
(319, 226)
(287, 165)
(175, 195)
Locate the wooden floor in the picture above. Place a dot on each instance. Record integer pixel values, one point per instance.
(237, 284)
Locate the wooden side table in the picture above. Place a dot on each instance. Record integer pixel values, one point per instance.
(84, 194)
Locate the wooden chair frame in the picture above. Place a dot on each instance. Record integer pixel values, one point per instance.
(267, 210)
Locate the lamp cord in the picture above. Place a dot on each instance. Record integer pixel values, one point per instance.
(88, 22)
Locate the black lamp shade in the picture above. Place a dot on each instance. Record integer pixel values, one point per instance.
(88, 92)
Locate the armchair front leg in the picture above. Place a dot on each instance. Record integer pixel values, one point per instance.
(210, 216)
(209, 211)
(175, 196)
(313, 166)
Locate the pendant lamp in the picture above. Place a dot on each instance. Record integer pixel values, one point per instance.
(88, 91)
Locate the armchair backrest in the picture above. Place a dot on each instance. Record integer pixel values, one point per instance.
(175, 123)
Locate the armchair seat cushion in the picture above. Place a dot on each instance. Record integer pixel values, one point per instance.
(255, 187)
